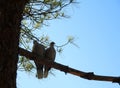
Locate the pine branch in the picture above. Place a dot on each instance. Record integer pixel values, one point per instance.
(66, 69)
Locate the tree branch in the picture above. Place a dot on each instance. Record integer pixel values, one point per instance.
(66, 69)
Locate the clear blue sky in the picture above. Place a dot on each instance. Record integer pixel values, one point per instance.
(95, 24)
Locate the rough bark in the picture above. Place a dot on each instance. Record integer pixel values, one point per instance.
(66, 69)
(10, 19)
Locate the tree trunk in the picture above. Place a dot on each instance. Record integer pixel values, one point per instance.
(10, 19)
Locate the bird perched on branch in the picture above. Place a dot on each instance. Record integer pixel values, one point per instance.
(38, 49)
(50, 54)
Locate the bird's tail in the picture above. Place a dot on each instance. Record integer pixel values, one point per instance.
(46, 71)
(39, 74)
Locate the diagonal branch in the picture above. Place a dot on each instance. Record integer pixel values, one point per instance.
(66, 69)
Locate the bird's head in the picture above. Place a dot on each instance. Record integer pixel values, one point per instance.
(52, 43)
(35, 42)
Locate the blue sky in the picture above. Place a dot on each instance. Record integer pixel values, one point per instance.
(95, 24)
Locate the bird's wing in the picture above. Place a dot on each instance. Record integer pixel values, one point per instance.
(47, 53)
(50, 53)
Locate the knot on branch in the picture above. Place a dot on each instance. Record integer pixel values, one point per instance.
(66, 69)
(117, 80)
(88, 75)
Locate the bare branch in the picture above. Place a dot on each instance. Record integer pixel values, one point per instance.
(66, 69)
